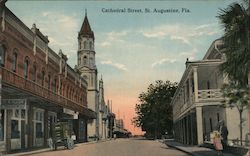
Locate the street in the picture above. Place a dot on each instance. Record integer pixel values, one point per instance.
(119, 147)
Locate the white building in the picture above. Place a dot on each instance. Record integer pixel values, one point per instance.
(197, 103)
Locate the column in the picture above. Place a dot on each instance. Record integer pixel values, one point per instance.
(8, 130)
(199, 125)
(191, 125)
(30, 126)
(195, 83)
(190, 89)
(45, 120)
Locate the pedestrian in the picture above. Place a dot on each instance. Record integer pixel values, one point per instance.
(217, 143)
(224, 133)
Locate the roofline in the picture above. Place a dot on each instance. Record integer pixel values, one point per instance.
(210, 49)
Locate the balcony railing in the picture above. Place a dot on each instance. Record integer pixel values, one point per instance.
(33, 88)
(211, 94)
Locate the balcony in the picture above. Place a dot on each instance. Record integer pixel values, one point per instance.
(12, 79)
(210, 95)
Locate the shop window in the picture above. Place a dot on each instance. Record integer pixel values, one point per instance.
(2, 125)
(15, 133)
(39, 131)
(2, 55)
(16, 113)
(23, 114)
(14, 61)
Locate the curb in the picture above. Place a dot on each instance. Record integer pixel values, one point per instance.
(48, 149)
(189, 153)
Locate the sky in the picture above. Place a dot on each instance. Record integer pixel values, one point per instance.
(133, 49)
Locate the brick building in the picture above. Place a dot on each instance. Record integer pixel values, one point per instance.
(37, 87)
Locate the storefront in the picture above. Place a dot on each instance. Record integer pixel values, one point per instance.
(13, 123)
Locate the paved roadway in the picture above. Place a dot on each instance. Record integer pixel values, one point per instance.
(118, 147)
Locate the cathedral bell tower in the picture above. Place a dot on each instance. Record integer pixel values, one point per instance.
(87, 67)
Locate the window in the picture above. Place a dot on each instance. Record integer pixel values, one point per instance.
(218, 117)
(39, 124)
(26, 66)
(49, 81)
(14, 61)
(39, 131)
(208, 85)
(85, 60)
(91, 60)
(34, 73)
(90, 45)
(15, 133)
(2, 55)
(43, 77)
(55, 85)
(84, 45)
(211, 125)
(2, 125)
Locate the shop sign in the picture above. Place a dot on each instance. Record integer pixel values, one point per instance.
(71, 112)
(13, 104)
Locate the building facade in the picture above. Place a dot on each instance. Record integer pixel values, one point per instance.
(197, 103)
(37, 86)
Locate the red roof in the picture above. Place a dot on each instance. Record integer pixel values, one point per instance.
(86, 29)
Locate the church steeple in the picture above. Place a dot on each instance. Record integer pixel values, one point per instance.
(86, 30)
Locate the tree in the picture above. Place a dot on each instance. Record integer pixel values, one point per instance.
(154, 112)
(236, 20)
(236, 96)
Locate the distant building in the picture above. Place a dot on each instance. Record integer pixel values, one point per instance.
(120, 130)
(197, 103)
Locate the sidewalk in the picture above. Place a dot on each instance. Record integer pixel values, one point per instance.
(193, 150)
(36, 151)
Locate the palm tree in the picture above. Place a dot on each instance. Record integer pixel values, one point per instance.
(235, 20)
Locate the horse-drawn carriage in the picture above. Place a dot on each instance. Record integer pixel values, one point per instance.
(62, 133)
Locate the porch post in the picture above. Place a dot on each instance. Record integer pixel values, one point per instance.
(195, 83)
(199, 125)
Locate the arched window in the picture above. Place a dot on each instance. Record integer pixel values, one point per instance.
(90, 45)
(55, 85)
(14, 60)
(85, 60)
(34, 73)
(91, 60)
(84, 44)
(26, 67)
(2, 54)
(49, 79)
(43, 77)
